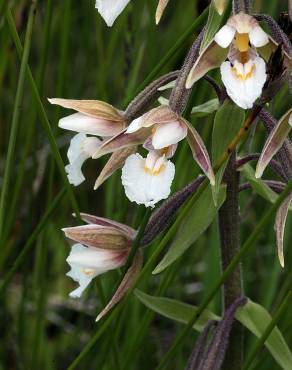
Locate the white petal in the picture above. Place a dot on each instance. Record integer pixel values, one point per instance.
(87, 263)
(224, 36)
(143, 187)
(110, 9)
(80, 122)
(258, 37)
(81, 148)
(244, 92)
(290, 120)
(167, 134)
(135, 125)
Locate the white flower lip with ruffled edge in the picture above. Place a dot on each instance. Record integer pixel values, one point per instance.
(244, 74)
(147, 180)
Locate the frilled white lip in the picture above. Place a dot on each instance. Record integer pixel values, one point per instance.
(244, 26)
(147, 181)
(86, 263)
(81, 148)
(110, 9)
(244, 82)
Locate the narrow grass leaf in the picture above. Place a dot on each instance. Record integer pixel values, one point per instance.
(175, 310)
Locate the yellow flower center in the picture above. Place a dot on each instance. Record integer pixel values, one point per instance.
(154, 171)
(242, 41)
(89, 272)
(243, 75)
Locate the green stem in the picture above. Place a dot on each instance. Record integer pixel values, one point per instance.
(136, 243)
(229, 238)
(16, 115)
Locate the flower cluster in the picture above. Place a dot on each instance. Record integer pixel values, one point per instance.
(241, 49)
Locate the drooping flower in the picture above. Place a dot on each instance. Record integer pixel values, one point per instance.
(93, 117)
(86, 263)
(147, 180)
(244, 71)
(102, 245)
(160, 130)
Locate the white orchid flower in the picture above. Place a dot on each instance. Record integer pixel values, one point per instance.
(93, 117)
(147, 180)
(244, 75)
(81, 148)
(86, 263)
(244, 71)
(102, 245)
(110, 9)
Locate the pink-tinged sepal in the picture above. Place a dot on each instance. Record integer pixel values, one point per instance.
(91, 219)
(97, 236)
(127, 282)
(280, 222)
(274, 142)
(116, 161)
(200, 153)
(210, 58)
(121, 141)
(160, 10)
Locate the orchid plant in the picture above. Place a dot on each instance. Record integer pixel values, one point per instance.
(142, 141)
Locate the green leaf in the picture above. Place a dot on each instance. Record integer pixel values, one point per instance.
(228, 121)
(175, 310)
(213, 24)
(252, 315)
(203, 110)
(194, 224)
(256, 319)
(259, 185)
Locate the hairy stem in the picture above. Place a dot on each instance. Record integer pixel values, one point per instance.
(229, 238)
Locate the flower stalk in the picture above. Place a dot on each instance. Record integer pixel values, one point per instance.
(229, 242)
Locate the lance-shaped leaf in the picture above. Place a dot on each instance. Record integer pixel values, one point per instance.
(128, 281)
(252, 315)
(90, 219)
(280, 222)
(93, 108)
(274, 142)
(211, 57)
(122, 140)
(116, 161)
(160, 9)
(97, 236)
(200, 153)
(196, 221)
